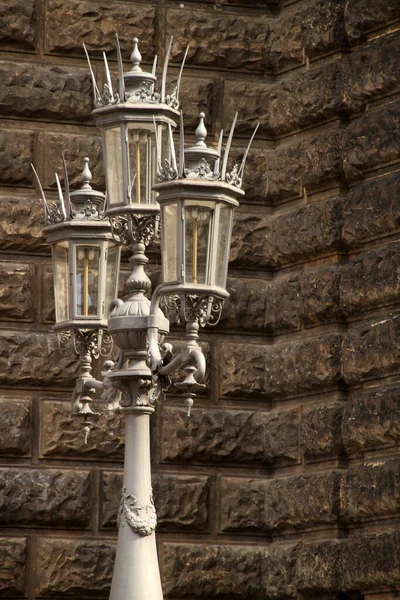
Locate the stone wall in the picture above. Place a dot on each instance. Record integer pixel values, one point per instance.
(285, 482)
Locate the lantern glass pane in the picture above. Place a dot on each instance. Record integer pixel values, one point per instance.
(142, 163)
(223, 245)
(61, 281)
(112, 275)
(115, 184)
(87, 280)
(198, 223)
(170, 242)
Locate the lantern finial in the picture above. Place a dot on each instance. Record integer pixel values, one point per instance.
(201, 131)
(136, 57)
(86, 175)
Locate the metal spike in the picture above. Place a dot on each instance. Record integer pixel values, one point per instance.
(165, 70)
(171, 142)
(181, 147)
(243, 163)
(178, 83)
(158, 149)
(45, 205)
(218, 161)
(154, 69)
(108, 76)
(121, 81)
(96, 92)
(228, 148)
(66, 188)
(61, 197)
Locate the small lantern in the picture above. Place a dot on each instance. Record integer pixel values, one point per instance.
(133, 125)
(85, 258)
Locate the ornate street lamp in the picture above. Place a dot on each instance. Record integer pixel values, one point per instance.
(197, 199)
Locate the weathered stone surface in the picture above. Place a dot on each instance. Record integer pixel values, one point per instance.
(255, 179)
(44, 497)
(181, 501)
(370, 210)
(300, 501)
(314, 29)
(211, 571)
(221, 39)
(371, 349)
(320, 295)
(319, 566)
(283, 303)
(251, 100)
(75, 148)
(31, 90)
(230, 436)
(13, 579)
(61, 434)
(197, 95)
(32, 359)
(371, 490)
(95, 24)
(297, 167)
(278, 570)
(17, 23)
(21, 224)
(16, 301)
(16, 154)
(247, 304)
(320, 433)
(15, 420)
(363, 16)
(282, 369)
(70, 567)
(370, 279)
(372, 418)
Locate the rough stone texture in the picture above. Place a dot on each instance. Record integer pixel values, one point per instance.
(180, 501)
(15, 420)
(13, 577)
(32, 359)
(16, 154)
(363, 16)
(17, 23)
(16, 300)
(247, 304)
(197, 95)
(61, 434)
(230, 436)
(69, 567)
(283, 369)
(371, 419)
(255, 179)
(211, 571)
(320, 432)
(33, 497)
(286, 502)
(319, 567)
(95, 24)
(21, 224)
(278, 564)
(47, 91)
(220, 39)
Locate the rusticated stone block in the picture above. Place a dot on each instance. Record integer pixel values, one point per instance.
(44, 497)
(278, 570)
(180, 501)
(371, 72)
(197, 95)
(371, 140)
(16, 302)
(251, 100)
(255, 180)
(300, 501)
(371, 490)
(320, 294)
(31, 90)
(319, 566)
(17, 23)
(370, 210)
(61, 433)
(371, 349)
(230, 436)
(16, 154)
(32, 359)
(15, 420)
(212, 571)
(21, 224)
(48, 314)
(363, 16)
(282, 369)
(372, 563)
(247, 304)
(283, 303)
(95, 23)
(372, 418)
(296, 167)
(289, 236)
(75, 148)
(320, 432)
(371, 279)
(13, 566)
(70, 567)
(315, 29)
(221, 39)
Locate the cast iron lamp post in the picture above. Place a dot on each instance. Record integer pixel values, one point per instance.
(197, 196)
